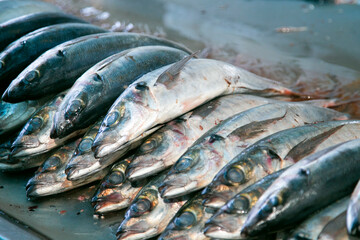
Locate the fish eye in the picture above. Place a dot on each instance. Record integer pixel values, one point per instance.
(116, 178)
(150, 144)
(74, 109)
(60, 53)
(141, 86)
(34, 124)
(214, 138)
(31, 76)
(185, 220)
(266, 210)
(141, 206)
(85, 145)
(97, 77)
(234, 175)
(183, 164)
(111, 118)
(240, 204)
(51, 163)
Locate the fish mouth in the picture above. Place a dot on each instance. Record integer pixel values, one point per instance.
(105, 146)
(79, 171)
(108, 206)
(215, 231)
(214, 202)
(139, 230)
(19, 149)
(174, 188)
(137, 171)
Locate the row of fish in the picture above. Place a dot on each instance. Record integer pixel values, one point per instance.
(193, 148)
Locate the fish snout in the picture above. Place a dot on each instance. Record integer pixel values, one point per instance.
(19, 147)
(130, 227)
(106, 143)
(174, 186)
(61, 128)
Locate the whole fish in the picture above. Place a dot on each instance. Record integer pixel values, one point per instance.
(50, 178)
(34, 138)
(189, 221)
(169, 92)
(18, 27)
(12, 8)
(226, 223)
(196, 168)
(84, 164)
(164, 147)
(22, 52)
(311, 184)
(24, 163)
(58, 68)
(336, 229)
(115, 191)
(94, 92)
(148, 214)
(353, 213)
(14, 115)
(274, 152)
(312, 227)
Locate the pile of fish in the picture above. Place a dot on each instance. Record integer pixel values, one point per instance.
(193, 148)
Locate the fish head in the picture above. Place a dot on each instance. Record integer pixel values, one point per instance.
(239, 173)
(188, 222)
(144, 216)
(129, 117)
(153, 156)
(35, 78)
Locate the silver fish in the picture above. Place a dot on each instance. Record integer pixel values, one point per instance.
(274, 152)
(163, 148)
(94, 92)
(14, 115)
(189, 221)
(115, 191)
(312, 227)
(171, 92)
(336, 229)
(226, 223)
(50, 178)
(22, 52)
(198, 166)
(34, 138)
(17, 27)
(149, 214)
(353, 213)
(311, 184)
(58, 68)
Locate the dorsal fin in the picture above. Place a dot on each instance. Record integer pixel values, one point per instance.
(170, 74)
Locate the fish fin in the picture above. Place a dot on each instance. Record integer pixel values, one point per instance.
(169, 75)
(308, 145)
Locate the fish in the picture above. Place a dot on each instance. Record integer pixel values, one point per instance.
(336, 229)
(58, 68)
(309, 185)
(172, 91)
(84, 164)
(227, 221)
(50, 177)
(24, 163)
(14, 115)
(274, 152)
(196, 168)
(18, 27)
(23, 51)
(12, 9)
(188, 222)
(115, 192)
(312, 227)
(94, 92)
(34, 138)
(5, 147)
(353, 213)
(165, 146)
(148, 214)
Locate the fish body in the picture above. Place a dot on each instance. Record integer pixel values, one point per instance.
(115, 192)
(312, 227)
(23, 51)
(189, 221)
(197, 167)
(353, 213)
(34, 138)
(58, 68)
(18, 27)
(163, 148)
(148, 214)
(336, 229)
(50, 178)
(311, 184)
(226, 223)
(173, 91)
(94, 92)
(14, 115)
(274, 152)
